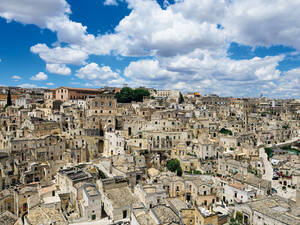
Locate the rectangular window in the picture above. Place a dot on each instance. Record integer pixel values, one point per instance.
(124, 214)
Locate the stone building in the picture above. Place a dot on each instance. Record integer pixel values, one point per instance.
(68, 93)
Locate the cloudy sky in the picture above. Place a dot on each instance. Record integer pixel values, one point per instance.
(226, 47)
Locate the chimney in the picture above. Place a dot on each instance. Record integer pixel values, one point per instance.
(298, 198)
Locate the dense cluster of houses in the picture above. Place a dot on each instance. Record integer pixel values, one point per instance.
(77, 156)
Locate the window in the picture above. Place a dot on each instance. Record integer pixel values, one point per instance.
(124, 214)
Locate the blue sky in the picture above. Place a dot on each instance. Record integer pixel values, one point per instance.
(231, 48)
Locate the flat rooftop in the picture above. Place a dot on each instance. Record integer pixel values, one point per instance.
(41, 215)
(91, 190)
(75, 174)
(120, 197)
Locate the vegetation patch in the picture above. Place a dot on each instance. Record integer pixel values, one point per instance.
(290, 149)
(269, 152)
(101, 174)
(181, 99)
(225, 131)
(173, 165)
(128, 95)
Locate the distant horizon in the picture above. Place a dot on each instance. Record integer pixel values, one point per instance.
(204, 95)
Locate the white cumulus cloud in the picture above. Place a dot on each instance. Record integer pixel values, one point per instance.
(60, 69)
(111, 2)
(59, 55)
(33, 11)
(40, 76)
(186, 42)
(205, 71)
(15, 77)
(264, 22)
(99, 75)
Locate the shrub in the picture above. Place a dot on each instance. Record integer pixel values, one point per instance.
(101, 174)
(197, 172)
(239, 216)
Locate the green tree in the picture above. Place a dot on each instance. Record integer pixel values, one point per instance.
(179, 171)
(225, 131)
(174, 166)
(269, 152)
(139, 93)
(181, 99)
(127, 95)
(8, 100)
